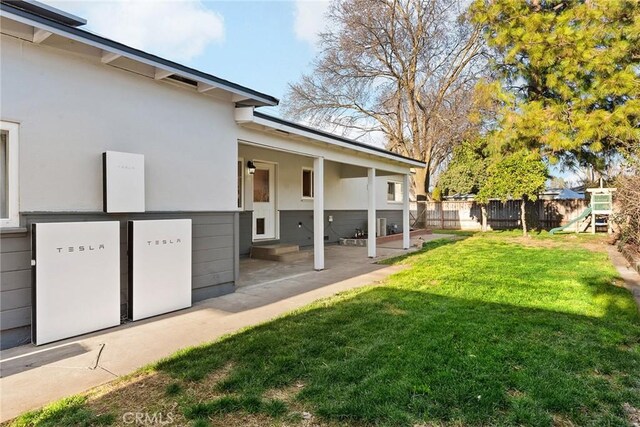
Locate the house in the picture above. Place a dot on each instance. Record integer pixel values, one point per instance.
(242, 177)
(562, 194)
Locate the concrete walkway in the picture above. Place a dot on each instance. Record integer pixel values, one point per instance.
(630, 276)
(34, 376)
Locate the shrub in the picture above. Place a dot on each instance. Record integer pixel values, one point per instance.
(628, 215)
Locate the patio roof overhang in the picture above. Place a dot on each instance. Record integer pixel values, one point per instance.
(304, 140)
(366, 161)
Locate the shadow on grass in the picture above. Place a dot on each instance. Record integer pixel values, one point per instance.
(426, 247)
(466, 341)
(395, 357)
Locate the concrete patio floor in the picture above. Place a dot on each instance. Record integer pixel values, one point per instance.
(34, 376)
(258, 271)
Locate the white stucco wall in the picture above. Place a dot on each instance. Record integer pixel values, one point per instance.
(340, 193)
(72, 108)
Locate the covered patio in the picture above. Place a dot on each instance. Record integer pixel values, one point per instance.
(352, 185)
(341, 263)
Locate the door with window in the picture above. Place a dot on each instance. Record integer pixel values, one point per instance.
(264, 204)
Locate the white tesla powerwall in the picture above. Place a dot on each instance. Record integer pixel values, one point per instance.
(76, 278)
(159, 266)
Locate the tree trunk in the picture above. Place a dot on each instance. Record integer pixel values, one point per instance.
(523, 218)
(483, 209)
(420, 182)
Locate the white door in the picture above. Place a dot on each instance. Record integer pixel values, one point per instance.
(264, 203)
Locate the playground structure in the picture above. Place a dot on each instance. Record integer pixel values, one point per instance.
(598, 214)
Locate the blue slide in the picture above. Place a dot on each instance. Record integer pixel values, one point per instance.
(582, 216)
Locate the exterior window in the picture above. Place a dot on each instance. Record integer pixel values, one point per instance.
(9, 212)
(307, 183)
(394, 191)
(240, 183)
(261, 186)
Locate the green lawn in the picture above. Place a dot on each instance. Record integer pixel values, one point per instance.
(488, 330)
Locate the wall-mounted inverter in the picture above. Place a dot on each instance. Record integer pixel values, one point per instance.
(159, 267)
(123, 182)
(76, 279)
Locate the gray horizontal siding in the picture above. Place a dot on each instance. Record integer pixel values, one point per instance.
(344, 224)
(214, 257)
(16, 317)
(15, 286)
(12, 280)
(16, 298)
(245, 232)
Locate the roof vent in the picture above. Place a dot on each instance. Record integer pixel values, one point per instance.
(46, 11)
(181, 79)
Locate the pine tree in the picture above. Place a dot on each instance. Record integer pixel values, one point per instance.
(568, 76)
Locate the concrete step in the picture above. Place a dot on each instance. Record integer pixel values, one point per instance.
(270, 251)
(287, 257)
(292, 256)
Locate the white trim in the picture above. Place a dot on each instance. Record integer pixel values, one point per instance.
(108, 57)
(371, 213)
(303, 148)
(406, 226)
(302, 196)
(395, 201)
(318, 214)
(242, 118)
(13, 163)
(162, 74)
(40, 35)
(242, 188)
(276, 211)
(204, 87)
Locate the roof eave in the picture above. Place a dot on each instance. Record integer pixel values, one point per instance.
(318, 135)
(253, 98)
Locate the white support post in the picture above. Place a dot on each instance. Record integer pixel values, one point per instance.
(371, 223)
(318, 213)
(406, 227)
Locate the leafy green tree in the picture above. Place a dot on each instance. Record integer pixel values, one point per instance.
(436, 194)
(467, 172)
(520, 175)
(568, 76)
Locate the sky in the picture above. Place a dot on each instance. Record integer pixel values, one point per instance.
(261, 44)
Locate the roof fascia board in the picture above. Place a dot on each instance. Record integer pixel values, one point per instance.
(336, 142)
(116, 48)
(302, 148)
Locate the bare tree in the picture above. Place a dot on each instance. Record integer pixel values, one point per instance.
(406, 68)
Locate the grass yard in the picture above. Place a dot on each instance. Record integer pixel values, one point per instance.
(487, 330)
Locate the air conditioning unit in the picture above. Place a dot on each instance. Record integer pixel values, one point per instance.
(381, 227)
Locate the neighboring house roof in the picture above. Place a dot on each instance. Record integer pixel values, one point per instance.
(43, 16)
(567, 193)
(309, 132)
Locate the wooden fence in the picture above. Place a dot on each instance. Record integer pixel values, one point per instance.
(467, 215)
